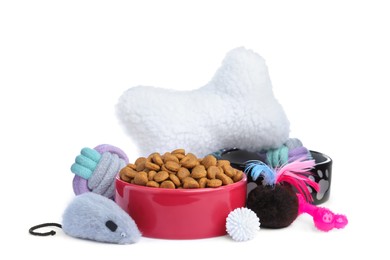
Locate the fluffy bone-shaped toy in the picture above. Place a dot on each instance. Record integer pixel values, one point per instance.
(236, 108)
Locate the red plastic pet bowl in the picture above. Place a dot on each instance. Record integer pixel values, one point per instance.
(180, 213)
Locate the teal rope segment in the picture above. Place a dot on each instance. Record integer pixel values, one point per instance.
(277, 157)
(86, 162)
(283, 155)
(91, 154)
(81, 171)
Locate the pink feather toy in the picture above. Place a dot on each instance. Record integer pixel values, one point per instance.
(284, 194)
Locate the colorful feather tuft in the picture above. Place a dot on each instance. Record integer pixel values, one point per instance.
(257, 168)
(296, 173)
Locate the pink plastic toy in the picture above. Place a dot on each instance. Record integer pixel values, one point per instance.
(324, 219)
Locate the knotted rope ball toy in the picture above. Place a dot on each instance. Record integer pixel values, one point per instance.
(95, 170)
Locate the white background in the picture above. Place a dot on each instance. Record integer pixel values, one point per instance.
(64, 64)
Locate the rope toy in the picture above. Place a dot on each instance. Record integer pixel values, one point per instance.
(95, 170)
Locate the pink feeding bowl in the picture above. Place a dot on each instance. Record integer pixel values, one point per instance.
(180, 213)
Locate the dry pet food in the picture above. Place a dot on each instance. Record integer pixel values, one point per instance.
(176, 170)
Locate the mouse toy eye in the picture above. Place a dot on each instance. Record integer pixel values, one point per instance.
(111, 225)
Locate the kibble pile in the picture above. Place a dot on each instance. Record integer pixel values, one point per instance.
(177, 169)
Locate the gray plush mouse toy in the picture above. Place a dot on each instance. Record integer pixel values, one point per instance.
(94, 217)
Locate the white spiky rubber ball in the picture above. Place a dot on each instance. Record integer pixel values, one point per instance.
(242, 224)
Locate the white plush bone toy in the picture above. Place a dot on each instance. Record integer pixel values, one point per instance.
(236, 108)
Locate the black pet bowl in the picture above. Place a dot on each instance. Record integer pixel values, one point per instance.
(321, 173)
